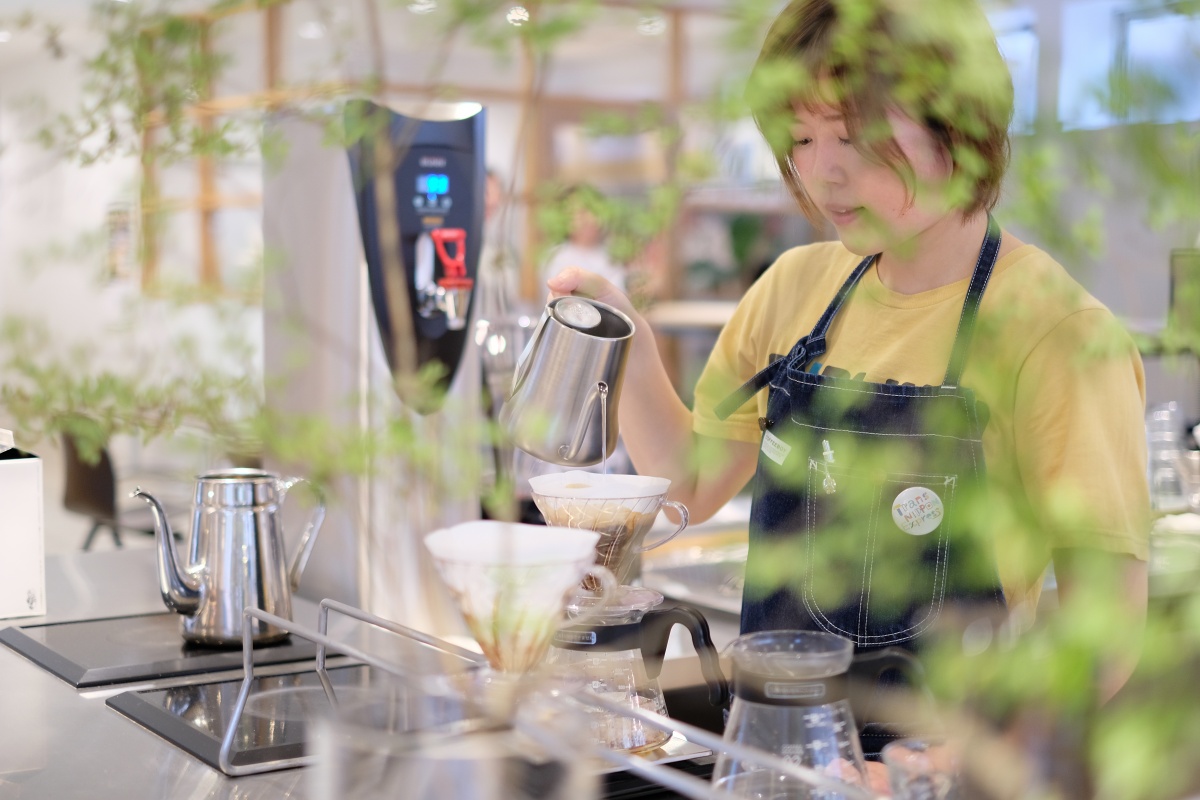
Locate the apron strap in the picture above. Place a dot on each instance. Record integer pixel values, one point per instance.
(813, 345)
(805, 350)
(988, 255)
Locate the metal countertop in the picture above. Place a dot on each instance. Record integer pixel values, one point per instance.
(59, 742)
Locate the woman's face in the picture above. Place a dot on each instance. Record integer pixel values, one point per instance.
(867, 202)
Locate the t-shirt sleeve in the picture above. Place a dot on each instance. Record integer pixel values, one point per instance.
(735, 358)
(1080, 436)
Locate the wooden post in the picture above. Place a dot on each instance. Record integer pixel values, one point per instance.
(149, 217)
(676, 91)
(272, 45)
(210, 272)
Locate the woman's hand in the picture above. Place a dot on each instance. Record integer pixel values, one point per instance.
(574, 280)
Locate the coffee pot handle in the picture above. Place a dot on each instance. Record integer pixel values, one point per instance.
(311, 528)
(656, 633)
(680, 509)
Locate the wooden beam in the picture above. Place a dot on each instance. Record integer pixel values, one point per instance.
(272, 46)
(231, 104)
(210, 271)
(212, 202)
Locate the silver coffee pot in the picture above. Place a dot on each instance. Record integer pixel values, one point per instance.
(236, 556)
(563, 403)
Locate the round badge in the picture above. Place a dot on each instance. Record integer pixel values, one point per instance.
(917, 510)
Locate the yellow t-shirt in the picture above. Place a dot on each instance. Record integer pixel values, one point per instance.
(1061, 379)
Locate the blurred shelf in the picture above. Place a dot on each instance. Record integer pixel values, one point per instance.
(691, 315)
(772, 198)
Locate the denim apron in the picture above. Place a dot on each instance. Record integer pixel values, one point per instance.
(856, 525)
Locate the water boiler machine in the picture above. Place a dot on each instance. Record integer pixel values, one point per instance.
(370, 245)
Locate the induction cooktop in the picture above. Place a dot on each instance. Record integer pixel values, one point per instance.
(276, 722)
(114, 650)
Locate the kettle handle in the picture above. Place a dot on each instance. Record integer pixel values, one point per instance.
(656, 632)
(311, 528)
(522, 368)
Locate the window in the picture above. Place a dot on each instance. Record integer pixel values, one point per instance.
(1128, 61)
(1019, 45)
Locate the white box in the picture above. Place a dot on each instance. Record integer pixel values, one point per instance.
(22, 543)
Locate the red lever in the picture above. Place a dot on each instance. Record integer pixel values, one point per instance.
(453, 268)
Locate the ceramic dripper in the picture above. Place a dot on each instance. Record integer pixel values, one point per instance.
(512, 583)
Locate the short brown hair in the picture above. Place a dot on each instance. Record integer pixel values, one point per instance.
(936, 61)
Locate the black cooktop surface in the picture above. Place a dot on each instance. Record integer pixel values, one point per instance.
(276, 722)
(142, 647)
(272, 726)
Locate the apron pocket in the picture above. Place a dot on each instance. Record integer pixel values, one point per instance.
(877, 550)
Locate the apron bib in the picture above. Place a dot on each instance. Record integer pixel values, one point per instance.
(856, 527)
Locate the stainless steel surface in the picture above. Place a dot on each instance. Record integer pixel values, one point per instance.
(60, 744)
(556, 409)
(236, 557)
(710, 578)
(254, 616)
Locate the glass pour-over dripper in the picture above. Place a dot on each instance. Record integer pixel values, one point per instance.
(621, 508)
(618, 654)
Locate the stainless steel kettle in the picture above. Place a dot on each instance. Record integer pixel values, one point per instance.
(236, 556)
(563, 403)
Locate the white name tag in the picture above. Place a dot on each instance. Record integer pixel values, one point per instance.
(775, 448)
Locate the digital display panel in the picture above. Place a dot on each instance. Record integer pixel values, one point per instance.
(433, 184)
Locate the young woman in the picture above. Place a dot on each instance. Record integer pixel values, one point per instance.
(864, 383)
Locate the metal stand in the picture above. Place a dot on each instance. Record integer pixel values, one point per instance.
(684, 784)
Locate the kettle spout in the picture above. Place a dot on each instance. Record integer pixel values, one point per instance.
(180, 590)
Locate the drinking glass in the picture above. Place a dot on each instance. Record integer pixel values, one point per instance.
(922, 769)
(766, 784)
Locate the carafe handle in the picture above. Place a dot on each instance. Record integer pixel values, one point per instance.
(656, 633)
(681, 509)
(869, 667)
(311, 528)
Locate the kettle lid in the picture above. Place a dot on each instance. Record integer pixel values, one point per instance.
(575, 312)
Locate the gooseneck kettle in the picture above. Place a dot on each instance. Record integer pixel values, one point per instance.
(236, 556)
(563, 404)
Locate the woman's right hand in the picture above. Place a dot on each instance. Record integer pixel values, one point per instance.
(574, 280)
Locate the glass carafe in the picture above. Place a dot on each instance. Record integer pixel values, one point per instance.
(619, 656)
(790, 698)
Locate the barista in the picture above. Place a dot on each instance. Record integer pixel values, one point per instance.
(864, 383)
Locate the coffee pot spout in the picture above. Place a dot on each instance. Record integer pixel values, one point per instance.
(309, 538)
(180, 590)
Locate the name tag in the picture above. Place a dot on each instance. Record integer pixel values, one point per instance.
(775, 448)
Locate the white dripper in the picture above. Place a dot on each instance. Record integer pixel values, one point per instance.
(512, 583)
